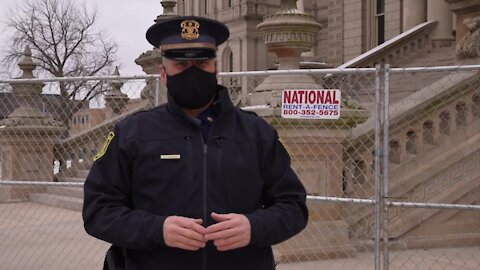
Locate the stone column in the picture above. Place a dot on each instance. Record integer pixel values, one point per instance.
(317, 157)
(27, 137)
(151, 60)
(439, 11)
(315, 146)
(288, 34)
(414, 13)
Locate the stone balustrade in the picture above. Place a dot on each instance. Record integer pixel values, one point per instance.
(77, 152)
(244, 9)
(423, 142)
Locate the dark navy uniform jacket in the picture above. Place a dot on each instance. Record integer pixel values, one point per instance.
(158, 164)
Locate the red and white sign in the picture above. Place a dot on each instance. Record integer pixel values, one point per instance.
(311, 103)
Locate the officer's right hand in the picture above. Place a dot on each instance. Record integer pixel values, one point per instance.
(184, 233)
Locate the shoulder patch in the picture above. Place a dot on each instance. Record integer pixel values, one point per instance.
(104, 148)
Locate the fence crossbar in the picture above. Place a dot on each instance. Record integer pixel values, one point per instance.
(396, 204)
(39, 183)
(309, 197)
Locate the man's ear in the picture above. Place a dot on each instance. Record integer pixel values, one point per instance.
(163, 74)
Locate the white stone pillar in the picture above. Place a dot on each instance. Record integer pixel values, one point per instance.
(414, 13)
(438, 10)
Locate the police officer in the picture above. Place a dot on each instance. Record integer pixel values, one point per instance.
(195, 183)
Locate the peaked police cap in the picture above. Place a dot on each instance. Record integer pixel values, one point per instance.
(188, 37)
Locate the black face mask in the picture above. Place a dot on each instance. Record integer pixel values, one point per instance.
(193, 88)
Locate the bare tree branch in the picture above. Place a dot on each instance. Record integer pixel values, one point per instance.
(64, 42)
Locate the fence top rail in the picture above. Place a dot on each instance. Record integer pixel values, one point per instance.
(435, 69)
(326, 71)
(86, 78)
(255, 73)
(221, 74)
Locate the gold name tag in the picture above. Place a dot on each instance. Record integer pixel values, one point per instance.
(170, 157)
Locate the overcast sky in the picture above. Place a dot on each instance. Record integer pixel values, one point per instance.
(124, 20)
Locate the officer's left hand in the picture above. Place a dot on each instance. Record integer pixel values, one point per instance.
(232, 231)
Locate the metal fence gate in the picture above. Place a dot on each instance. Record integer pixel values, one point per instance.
(394, 183)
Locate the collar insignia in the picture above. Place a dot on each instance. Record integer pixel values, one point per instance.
(190, 29)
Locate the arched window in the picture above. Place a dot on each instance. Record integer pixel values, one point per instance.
(230, 61)
(372, 163)
(476, 106)
(445, 123)
(411, 145)
(461, 114)
(227, 65)
(227, 60)
(1, 166)
(395, 152)
(428, 131)
(359, 171)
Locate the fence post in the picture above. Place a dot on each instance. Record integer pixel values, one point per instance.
(386, 124)
(378, 197)
(157, 91)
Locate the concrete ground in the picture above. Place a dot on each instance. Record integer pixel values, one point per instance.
(34, 236)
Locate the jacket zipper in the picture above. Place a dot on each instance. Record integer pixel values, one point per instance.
(204, 140)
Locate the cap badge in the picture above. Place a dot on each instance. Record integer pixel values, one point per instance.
(190, 29)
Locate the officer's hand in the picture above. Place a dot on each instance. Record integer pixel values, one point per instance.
(184, 233)
(232, 231)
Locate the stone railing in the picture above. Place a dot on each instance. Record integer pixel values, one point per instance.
(244, 10)
(77, 152)
(431, 131)
(396, 49)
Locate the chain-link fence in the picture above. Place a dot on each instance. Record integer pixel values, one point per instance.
(393, 181)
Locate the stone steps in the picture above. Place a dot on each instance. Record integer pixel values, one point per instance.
(72, 179)
(74, 192)
(60, 201)
(63, 196)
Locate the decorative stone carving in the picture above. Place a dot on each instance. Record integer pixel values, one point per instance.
(115, 99)
(469, 45)
(288, 34)
(168, 6)
(28, 94)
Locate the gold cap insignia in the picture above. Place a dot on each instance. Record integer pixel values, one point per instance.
(190, 29)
